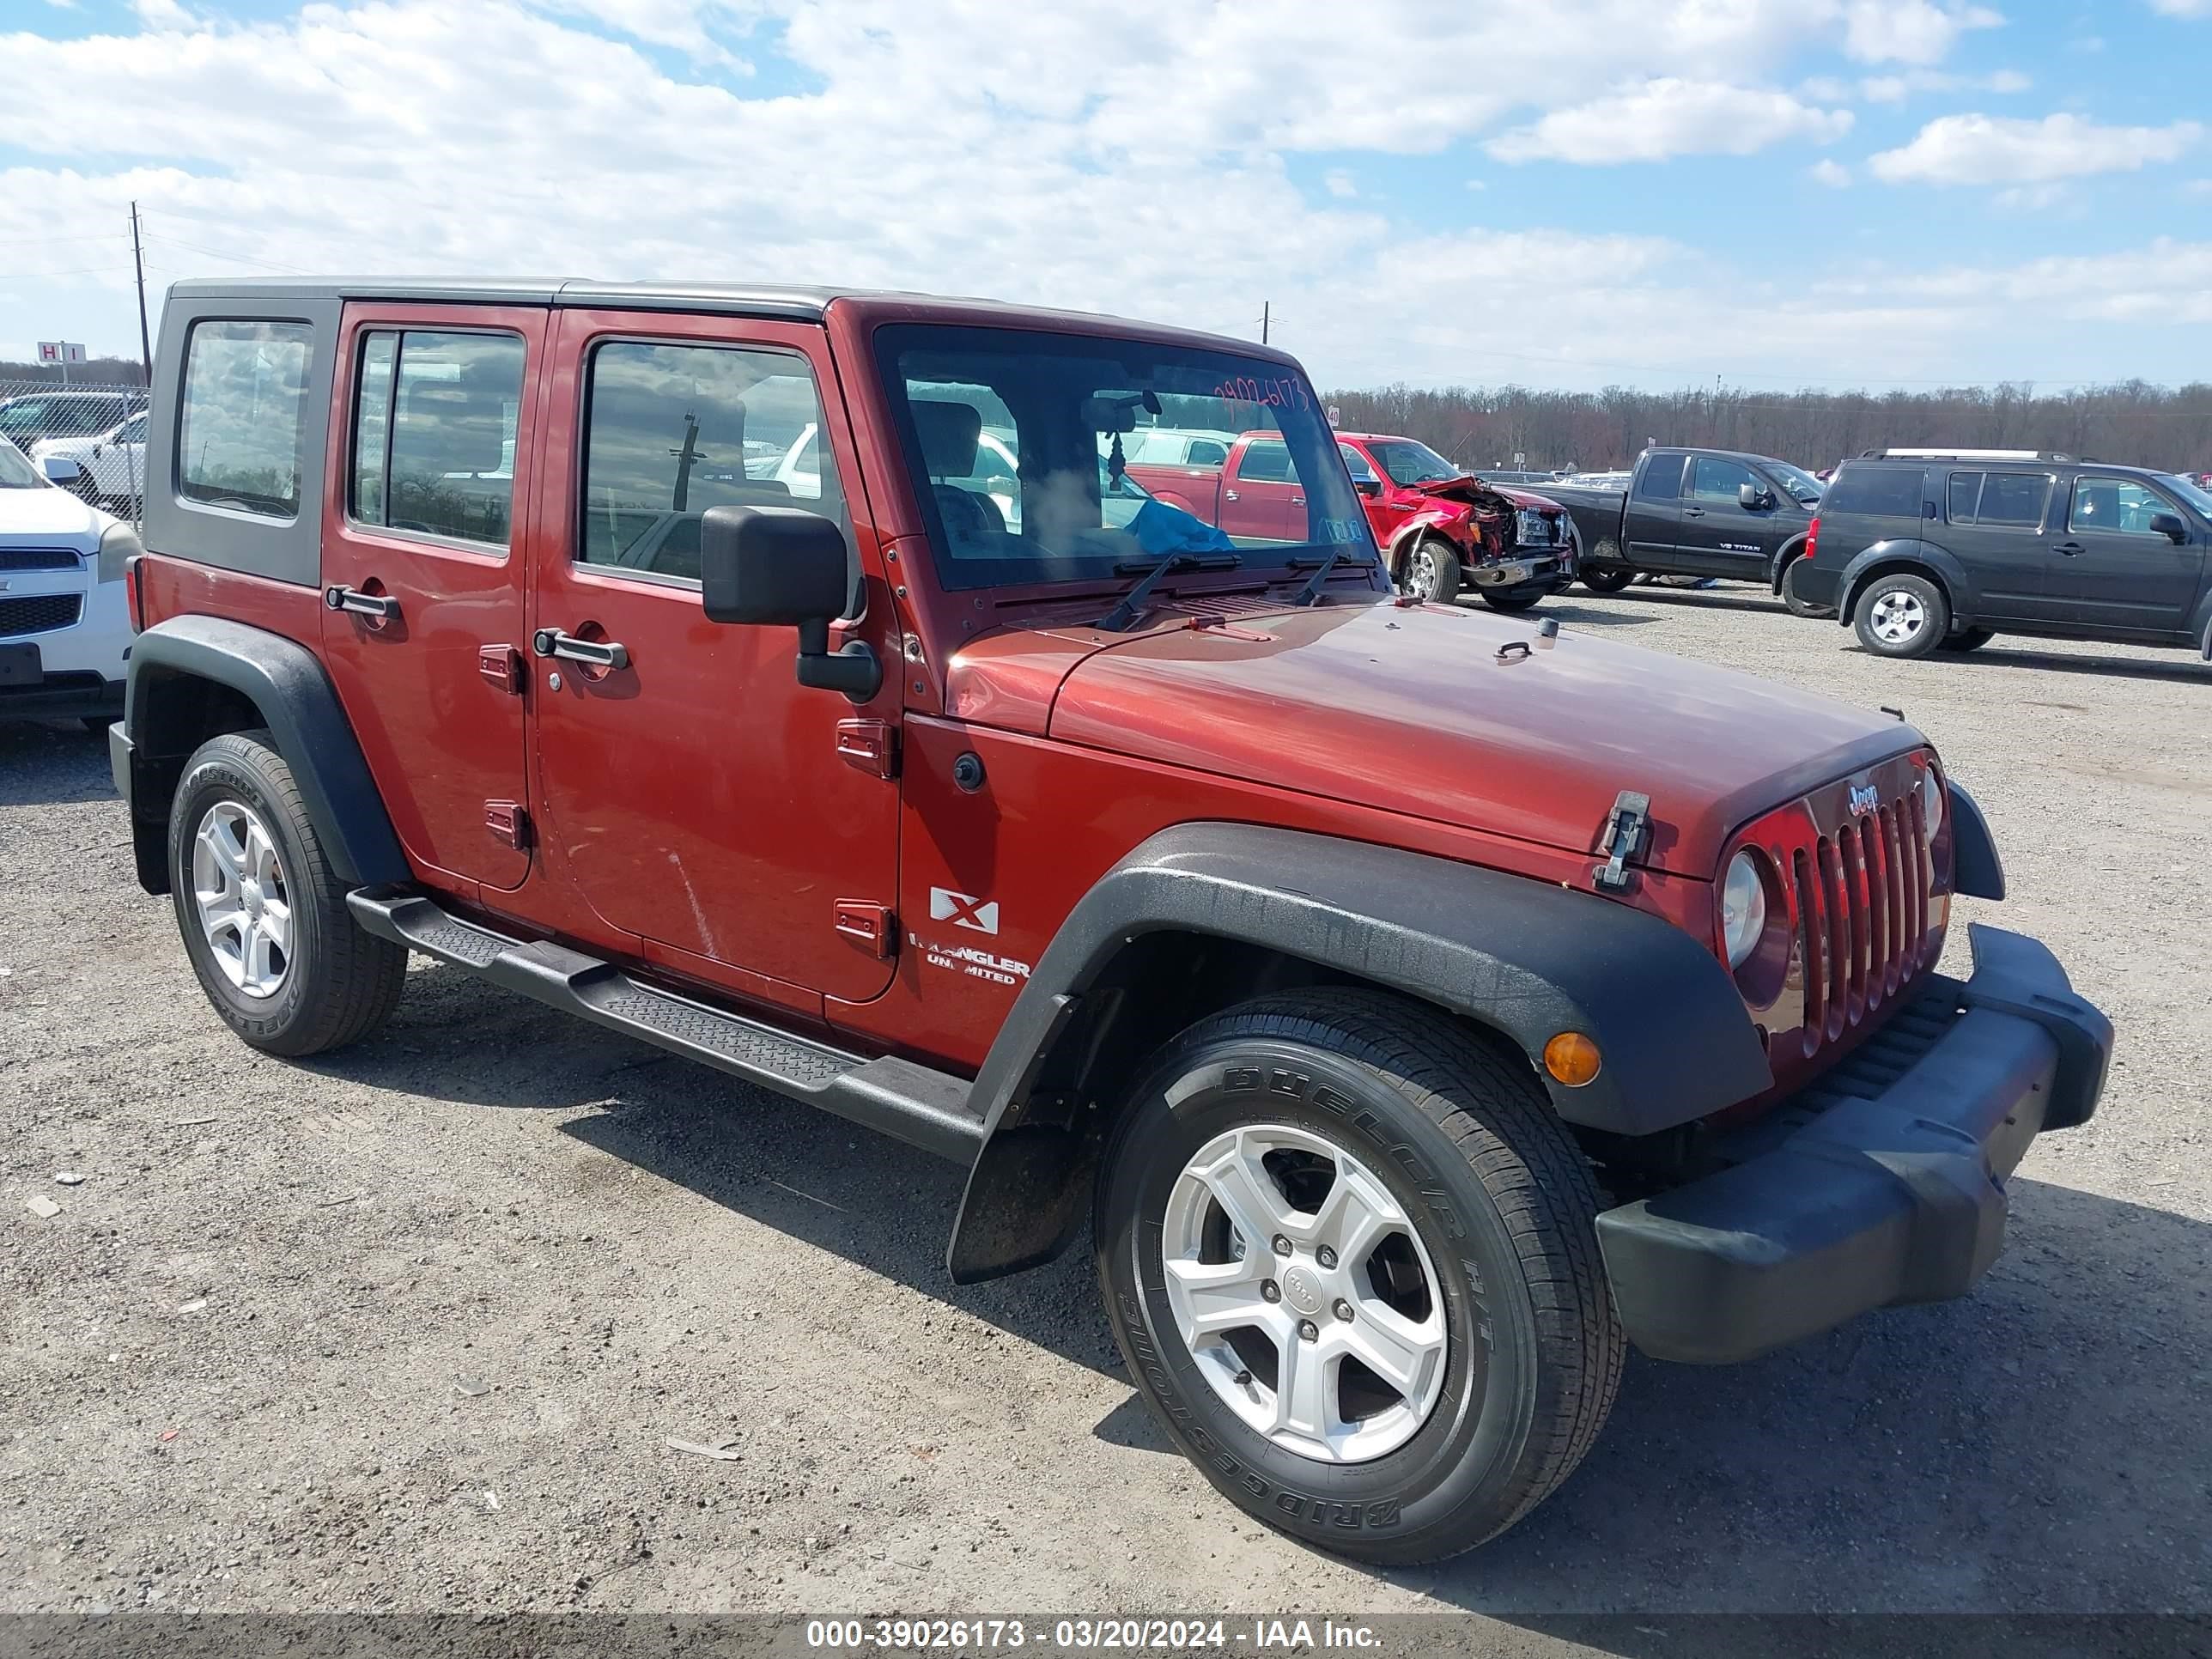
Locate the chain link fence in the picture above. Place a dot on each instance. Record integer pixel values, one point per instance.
(90, 439)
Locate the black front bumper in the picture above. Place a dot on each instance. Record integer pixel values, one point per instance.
(63, 697)
(1881, 1183)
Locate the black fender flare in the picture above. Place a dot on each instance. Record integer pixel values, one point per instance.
(284, 680)
(1939, 560)
(1976, 870)
(1524, 958)
(1782, 555)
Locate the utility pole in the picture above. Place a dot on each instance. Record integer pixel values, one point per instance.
(138, 260)
(1266, 306)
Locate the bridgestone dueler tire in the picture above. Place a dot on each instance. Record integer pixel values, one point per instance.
(1505, 1204)
(341, 983)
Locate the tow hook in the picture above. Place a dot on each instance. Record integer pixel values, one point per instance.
(1626, 829)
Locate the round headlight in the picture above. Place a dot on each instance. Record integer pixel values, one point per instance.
(1931, 800)
(1743, 906)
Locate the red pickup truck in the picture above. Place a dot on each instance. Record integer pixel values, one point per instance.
(1253, 495)
(1442, 530)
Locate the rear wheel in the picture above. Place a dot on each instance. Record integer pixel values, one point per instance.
(263, 914)
(1510, 599)
(1967, 639)
(1433, 571)
(1794, 602)
(1350, 1255)
(1899, 615)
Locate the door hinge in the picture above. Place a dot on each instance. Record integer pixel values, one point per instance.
(867, 924)
(502, 665)
(1626, 829)
(871, 745)
(507, 823)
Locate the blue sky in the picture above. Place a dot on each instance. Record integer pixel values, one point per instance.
(1780, 192)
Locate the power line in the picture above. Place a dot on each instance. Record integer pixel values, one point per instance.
(223, 253)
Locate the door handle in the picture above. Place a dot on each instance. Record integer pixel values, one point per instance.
(1228, 495)
(1298, 500)
(2069, 548)
(338, 597)
(1693, 512)
(603, 654)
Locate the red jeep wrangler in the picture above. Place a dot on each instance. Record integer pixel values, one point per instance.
(1417, 1007)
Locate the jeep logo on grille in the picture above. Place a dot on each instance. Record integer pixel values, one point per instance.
(1865, 798)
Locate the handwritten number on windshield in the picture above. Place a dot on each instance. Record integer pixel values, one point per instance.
(1275, 392)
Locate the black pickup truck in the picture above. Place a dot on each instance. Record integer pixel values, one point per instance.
(1696, 512)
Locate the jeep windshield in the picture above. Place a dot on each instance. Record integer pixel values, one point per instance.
(1019, 442)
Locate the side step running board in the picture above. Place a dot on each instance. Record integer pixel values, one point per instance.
(921, 1107)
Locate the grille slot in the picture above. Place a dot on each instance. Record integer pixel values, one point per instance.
(1862, 909)
(38, 613)
(37, 558)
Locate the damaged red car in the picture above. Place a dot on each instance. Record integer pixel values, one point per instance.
(1442, 530)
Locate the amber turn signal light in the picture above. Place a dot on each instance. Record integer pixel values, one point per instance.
(1571, 1058)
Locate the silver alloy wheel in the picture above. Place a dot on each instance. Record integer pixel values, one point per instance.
(245, 905)
(1273, 1299)
(1897, 617)
(1422, 568)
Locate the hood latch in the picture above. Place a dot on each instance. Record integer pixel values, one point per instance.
(1626, 828)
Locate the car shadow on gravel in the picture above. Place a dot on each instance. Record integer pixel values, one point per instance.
(2031, 1449)
(2180, 667)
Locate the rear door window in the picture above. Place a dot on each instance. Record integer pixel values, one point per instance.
(1890, 492)
(2013, 500)
(1662, 480)
(240, 418)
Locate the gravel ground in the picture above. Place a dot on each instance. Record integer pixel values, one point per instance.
(409, 1327)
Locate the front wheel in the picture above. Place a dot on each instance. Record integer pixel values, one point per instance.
(1433, 571)
(264, 914)
(1510, 599)
(1607, 578)
(1350, 1255)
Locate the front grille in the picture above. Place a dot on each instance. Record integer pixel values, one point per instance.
(37, 558)
(1863, 894)
(38, 613)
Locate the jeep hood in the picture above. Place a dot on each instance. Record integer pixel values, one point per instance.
(1411, 710)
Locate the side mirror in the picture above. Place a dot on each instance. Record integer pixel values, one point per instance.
(2169, 525)
(1752, 498)
(1368, 486)
(784, 564)
(60, 470)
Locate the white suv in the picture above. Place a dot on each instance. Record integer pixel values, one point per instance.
(105, 470)
(64, 623)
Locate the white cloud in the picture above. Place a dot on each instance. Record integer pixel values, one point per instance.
(1339, 183)
(1988, 149)
(1896, 88)
(1834, 174)
(2183, 8)
(1669, 116)
(1909, 31)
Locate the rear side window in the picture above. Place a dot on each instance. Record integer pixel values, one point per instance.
(434, 432)
(1266, 463)
(240, 418)
(1889, 492)
(1662, 480)
(1208, 451)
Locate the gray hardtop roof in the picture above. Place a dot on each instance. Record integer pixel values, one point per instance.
(790, 302)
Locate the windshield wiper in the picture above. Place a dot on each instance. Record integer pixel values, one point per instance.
(1310, 593)
(1124, 613)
